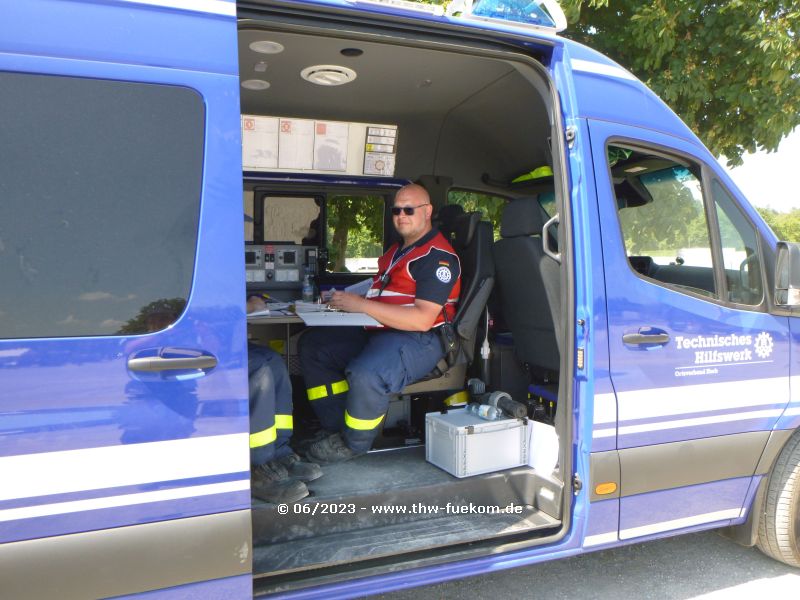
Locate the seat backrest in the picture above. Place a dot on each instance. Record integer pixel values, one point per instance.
(472, 242)
(528, 285)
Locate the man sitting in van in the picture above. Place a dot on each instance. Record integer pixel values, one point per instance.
(350, 372)
(278, 474)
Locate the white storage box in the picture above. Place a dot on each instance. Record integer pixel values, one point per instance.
(464, 445)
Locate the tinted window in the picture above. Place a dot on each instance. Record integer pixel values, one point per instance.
(739, 250)
(663, 219)
(100, 186)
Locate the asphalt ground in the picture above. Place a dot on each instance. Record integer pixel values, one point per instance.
(701, 565)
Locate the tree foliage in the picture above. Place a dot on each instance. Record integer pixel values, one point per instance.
(785, 225)
(355, 229)
(490, 206)
(154, 316)
(730, 69)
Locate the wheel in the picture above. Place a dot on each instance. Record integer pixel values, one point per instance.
(779, 526)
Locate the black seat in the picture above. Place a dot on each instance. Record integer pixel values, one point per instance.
(472, 241)
(445, 221)
(528, 283)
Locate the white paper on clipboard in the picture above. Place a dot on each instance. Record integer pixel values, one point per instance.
(334, 318)
(360, 288)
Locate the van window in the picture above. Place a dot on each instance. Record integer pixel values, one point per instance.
(354, 232)
(291, 220)
(663, 220)
(100, 183)
(547, 200)
(740, 253)
(490, 206)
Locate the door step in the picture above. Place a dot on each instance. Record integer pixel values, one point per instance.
(387, 540)
(386, 488)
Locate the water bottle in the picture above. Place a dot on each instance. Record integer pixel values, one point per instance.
(484, 411)
(308, 289)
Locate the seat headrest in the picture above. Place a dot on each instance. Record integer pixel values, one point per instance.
(465, 227)
(446, 216)
(521, 217)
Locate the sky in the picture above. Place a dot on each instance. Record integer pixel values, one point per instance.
(768, 180)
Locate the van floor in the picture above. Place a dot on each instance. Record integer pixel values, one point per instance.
(387, 503)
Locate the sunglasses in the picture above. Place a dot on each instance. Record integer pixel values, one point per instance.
(409, 210)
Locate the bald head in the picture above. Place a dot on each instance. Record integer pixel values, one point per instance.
(413, 198)
(414, 193)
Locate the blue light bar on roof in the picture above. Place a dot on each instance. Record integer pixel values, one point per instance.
(431, 9)
(545, 14)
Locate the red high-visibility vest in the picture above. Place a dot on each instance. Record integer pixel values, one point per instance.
(401, 287)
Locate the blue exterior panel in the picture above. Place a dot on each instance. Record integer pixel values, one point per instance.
(608, 92)
(86, 407)
(107, 518)
(790, 419)
(603, 524)
(121, 32)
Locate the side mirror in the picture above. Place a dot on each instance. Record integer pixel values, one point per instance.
(787, 275)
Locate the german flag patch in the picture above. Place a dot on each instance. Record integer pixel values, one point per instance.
(444, 263)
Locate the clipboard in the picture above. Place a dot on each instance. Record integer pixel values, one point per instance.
(329, 318)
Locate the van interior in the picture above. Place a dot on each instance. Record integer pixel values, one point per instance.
(465, 118)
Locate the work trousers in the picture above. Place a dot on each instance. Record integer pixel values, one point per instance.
(351, 374)
(270, 405)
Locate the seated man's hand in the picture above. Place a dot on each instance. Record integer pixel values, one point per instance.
(346, 302)
(254, 304)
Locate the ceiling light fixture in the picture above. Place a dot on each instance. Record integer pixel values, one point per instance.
(328, 75)
(255, 84)
(266, 47)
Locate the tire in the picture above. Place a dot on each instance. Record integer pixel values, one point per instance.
(779, 525)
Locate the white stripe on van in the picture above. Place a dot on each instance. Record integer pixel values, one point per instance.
(601, 538)
(677, 424)
(604, 433)
(721, 515)
(689, 399)
(216, 7)
(46, 473)
(62, 508)
(605, 408)
(601, 69)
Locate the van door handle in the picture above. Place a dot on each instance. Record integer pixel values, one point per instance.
(176, 359)
(156, 363)
(647, 337)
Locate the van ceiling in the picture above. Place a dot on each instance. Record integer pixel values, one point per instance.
(458, 114)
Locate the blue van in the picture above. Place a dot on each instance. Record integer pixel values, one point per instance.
(162, 158)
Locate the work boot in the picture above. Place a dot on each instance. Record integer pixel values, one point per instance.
(270, 482)
(299, 470)
(302, 444)
(332, 449)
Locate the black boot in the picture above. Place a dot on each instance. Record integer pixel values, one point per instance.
(299, 470)
(270, 482)
(332, 449)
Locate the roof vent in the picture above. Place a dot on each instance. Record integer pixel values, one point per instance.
(328, 75)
